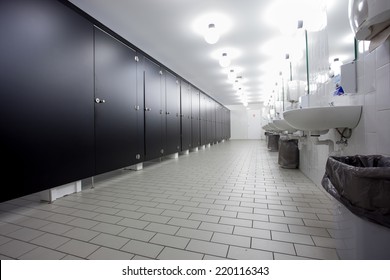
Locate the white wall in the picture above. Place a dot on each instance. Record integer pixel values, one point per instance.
(372, 135)
(239, 124)
(254, 124)
(245, 124)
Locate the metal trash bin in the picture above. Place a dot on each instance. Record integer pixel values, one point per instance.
(288, 153)
(362, 185)
(273, 142)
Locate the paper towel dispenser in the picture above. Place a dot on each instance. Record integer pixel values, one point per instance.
(368, 17)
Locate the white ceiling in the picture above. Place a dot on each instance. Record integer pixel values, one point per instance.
(164, 29)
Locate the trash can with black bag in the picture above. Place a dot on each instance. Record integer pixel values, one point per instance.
(267, 137)
(288, 153)
(362, 185)
(273, 142)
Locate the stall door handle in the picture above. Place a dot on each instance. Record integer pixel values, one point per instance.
(98, 100)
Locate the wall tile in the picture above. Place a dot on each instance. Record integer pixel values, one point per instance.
(383, 88)
(371, 144)
(369, 72)
(383, 132)
(360, 84)
(383, 54)
(357, 143)
(369, 112)
(360, 68)
(355, 99)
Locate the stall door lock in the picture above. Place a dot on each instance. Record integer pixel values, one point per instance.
(98, 100)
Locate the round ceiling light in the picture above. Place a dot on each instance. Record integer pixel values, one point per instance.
(231, 75)
(224, 60)
(211, 35)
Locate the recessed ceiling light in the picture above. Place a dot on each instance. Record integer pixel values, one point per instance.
(211, 35)
(233, 53)
(237, 70)
(232, 75)
(224, 60)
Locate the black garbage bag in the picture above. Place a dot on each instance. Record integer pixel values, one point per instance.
(273, 142)
(362, 184)
(288, 153)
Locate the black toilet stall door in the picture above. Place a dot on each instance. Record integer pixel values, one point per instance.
(115, 103)
(46, 88)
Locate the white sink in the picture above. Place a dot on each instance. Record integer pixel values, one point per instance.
(266, 127)
(270, 127)
(284, 126)
(321, 119)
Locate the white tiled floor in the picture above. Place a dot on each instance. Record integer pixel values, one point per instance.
(231, 200)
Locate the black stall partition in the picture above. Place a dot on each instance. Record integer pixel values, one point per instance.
(185, 116)
(172, 113)
(203, 119)
(195, 128)
(79, 100)
(47, 93)
(154, 132)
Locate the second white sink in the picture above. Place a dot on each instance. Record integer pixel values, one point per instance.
(323, 118)
(284, 126)
(271, 127)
